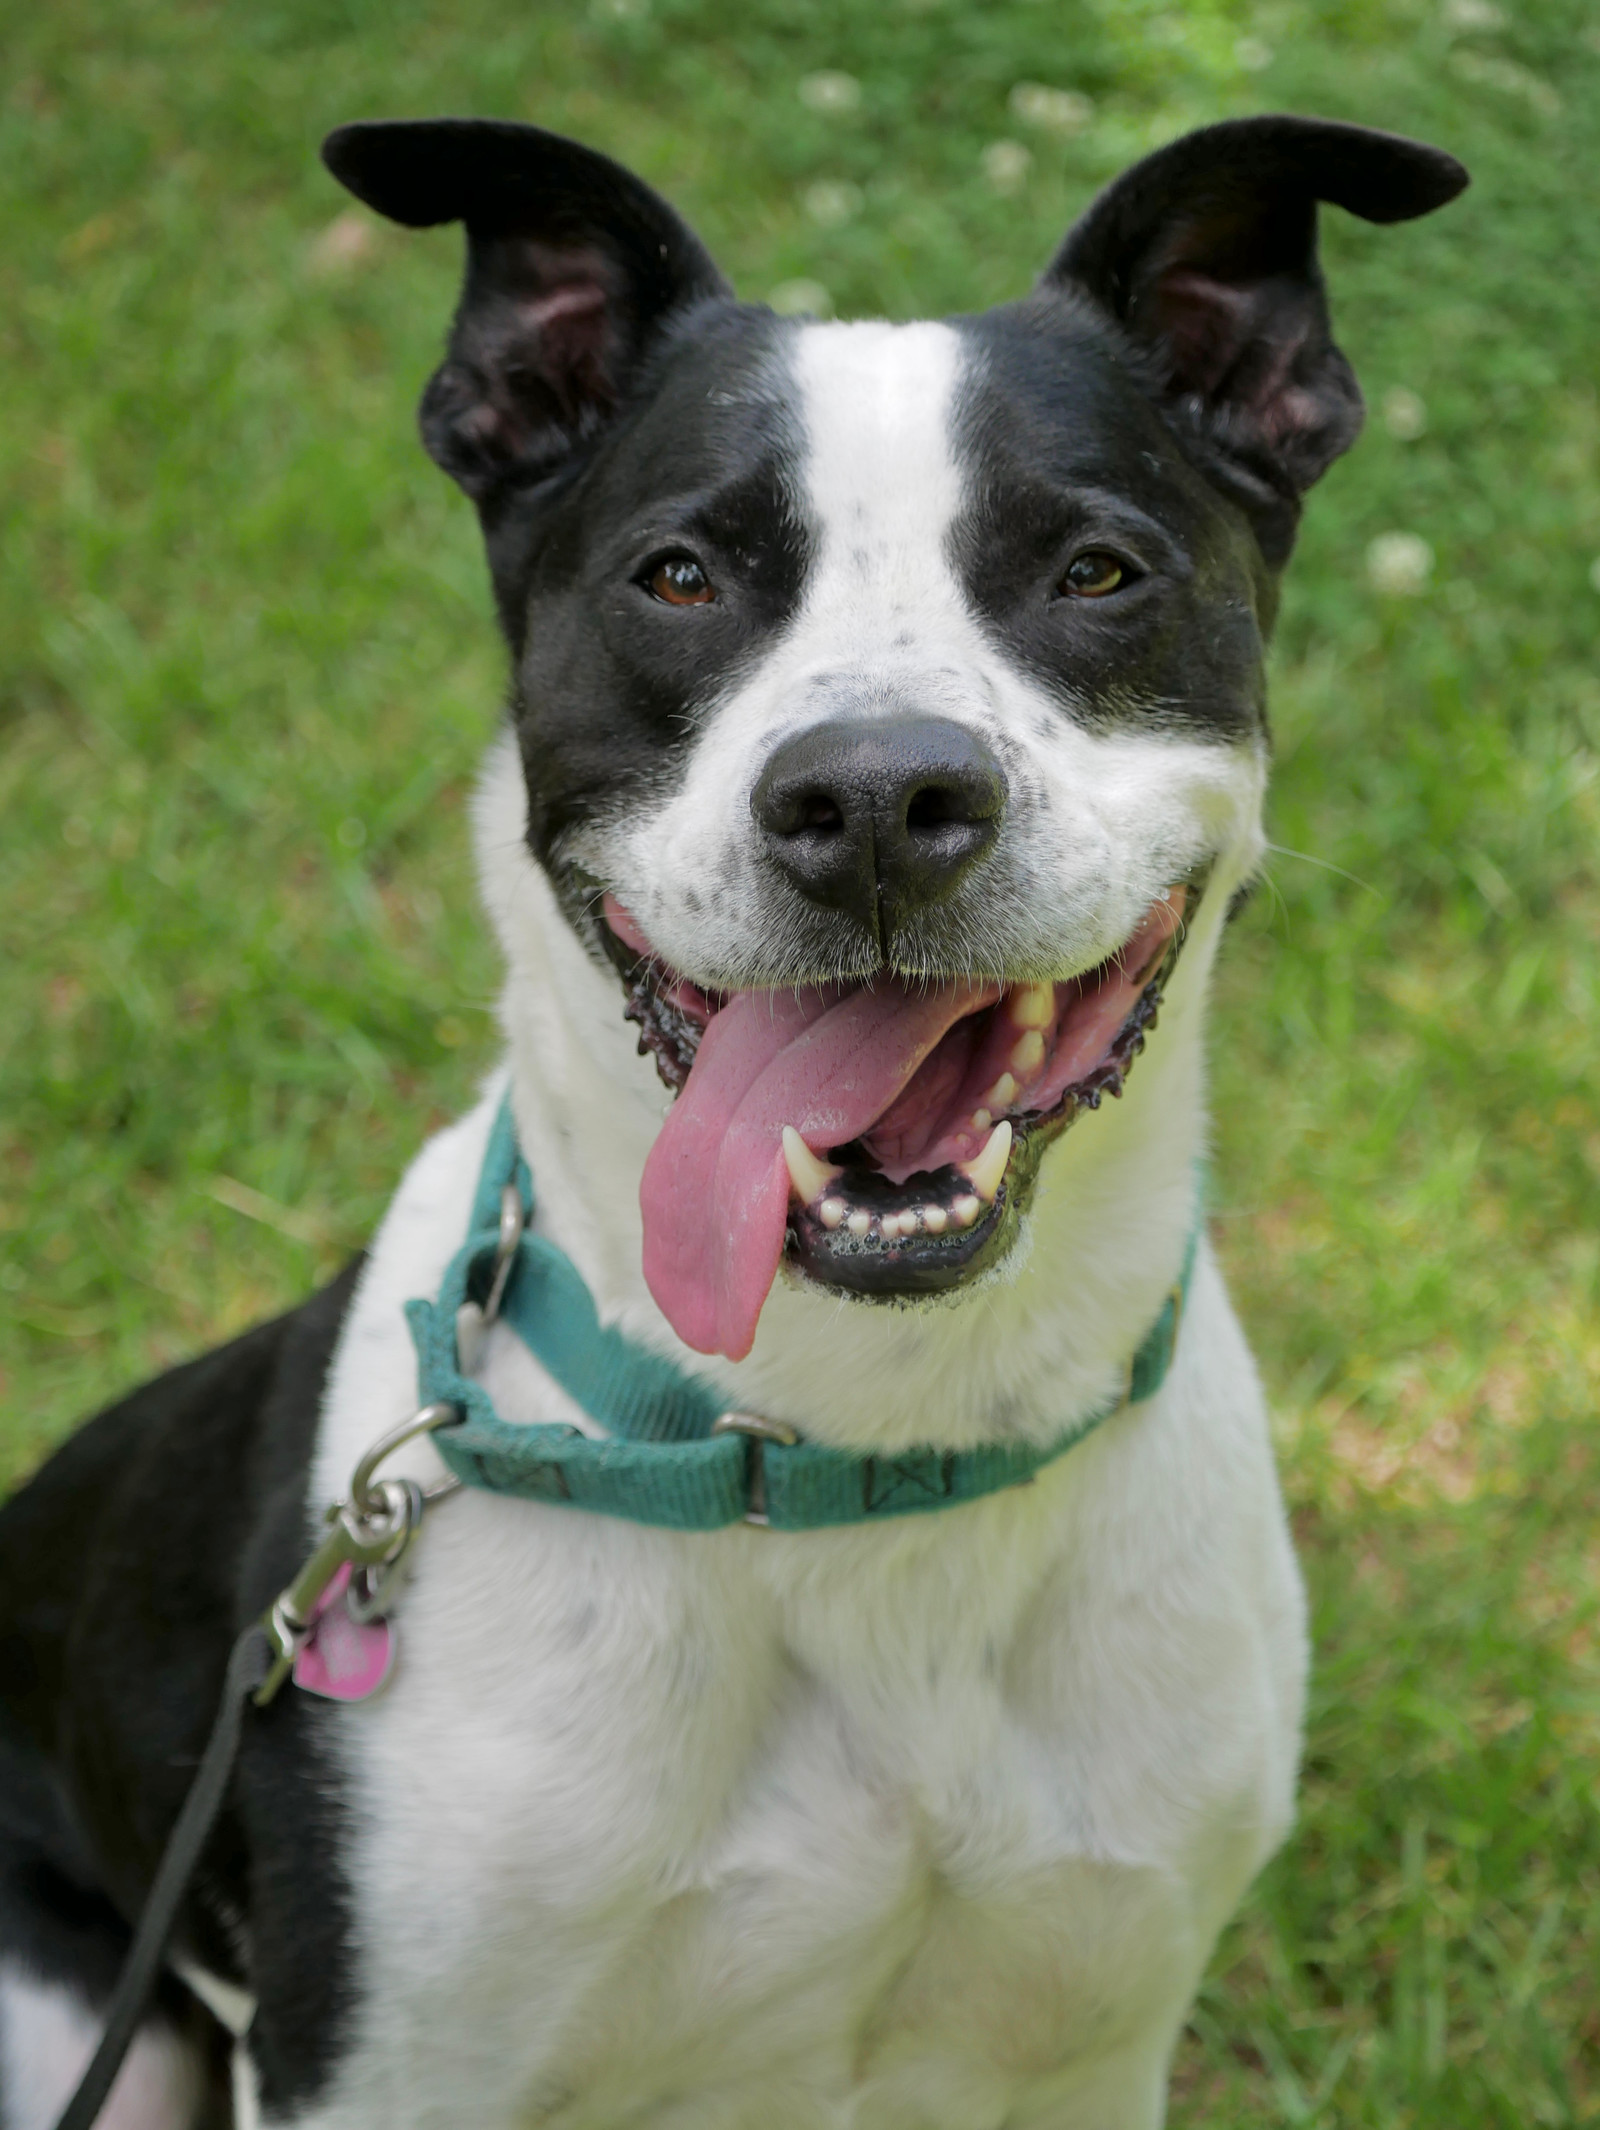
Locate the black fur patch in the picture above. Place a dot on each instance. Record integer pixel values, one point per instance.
(1064, 450)
(127, 1566)
(612, 684)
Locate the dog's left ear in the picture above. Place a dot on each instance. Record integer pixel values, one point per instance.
(1206, 253)
(573, 267)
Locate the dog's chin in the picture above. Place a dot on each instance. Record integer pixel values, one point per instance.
(876, 1218)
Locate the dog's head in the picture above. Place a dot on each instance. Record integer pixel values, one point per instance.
(890, 698)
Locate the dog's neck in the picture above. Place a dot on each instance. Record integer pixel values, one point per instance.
(1041, 1341)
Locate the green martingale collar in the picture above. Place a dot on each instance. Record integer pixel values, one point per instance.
(673, 1454)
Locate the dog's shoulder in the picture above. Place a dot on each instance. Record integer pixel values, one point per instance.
(130, 1560)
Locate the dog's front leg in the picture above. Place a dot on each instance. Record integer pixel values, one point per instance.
(1127, 2091)
(49, 2030)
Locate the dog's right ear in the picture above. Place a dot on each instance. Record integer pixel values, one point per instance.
(573, 266)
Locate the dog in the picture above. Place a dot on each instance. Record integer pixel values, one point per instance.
(887, 740)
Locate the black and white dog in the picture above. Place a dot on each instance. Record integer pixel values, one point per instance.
(886, 735)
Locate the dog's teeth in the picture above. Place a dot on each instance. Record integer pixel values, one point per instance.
(981, 1120)
(910, 1221)
(985, 1173)
(1033, 1006)
(831, 1212)
(890, 1226)
(1001, 1095)
(1028, 1055)
(809, 1176)
(934, 1219)
(965, 1211)
(859, 1223)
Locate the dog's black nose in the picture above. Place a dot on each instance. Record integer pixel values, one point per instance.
(880, 818)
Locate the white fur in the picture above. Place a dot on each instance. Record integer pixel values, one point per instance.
(921, 1826)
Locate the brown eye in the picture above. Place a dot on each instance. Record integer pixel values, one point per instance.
(680, 581)
(1092, 575)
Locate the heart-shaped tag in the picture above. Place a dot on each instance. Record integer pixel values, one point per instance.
(343, 1659)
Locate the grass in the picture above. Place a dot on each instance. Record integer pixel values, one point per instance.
(246, 668)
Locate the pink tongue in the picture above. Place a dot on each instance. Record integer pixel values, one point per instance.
(715, 1193)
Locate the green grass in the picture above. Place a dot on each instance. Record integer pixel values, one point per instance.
(246, 668)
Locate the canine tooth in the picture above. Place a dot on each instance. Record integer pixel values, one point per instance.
(809, 1176)
(985, 1173)
(1033, 1006)
(1028, 1054)
(1001, 1095)
(831, 1212)
(965, 1211)
(859, 1223)
(934, 1219)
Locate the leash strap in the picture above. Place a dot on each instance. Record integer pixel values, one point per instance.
(130, 2000)
(674, 1456)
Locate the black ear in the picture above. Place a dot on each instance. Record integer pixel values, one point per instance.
(1206, 252)
(572, 266)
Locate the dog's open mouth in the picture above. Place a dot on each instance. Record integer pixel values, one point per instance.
(884, 1132)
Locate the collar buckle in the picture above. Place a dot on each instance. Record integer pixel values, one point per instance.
(758, 1431)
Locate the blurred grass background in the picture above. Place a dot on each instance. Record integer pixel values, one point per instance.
(247, 667)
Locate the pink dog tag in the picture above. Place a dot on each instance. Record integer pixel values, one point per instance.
(343, 1659)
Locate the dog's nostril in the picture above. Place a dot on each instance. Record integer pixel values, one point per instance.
(818, 811)
(936, 805)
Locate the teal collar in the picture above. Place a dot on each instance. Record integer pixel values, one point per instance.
(673, 1454)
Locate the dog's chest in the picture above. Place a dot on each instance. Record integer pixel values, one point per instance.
(645, 1831)
(915, 1824)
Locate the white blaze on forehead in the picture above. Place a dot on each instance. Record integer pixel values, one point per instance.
(877, 403)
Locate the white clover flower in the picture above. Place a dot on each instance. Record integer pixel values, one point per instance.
(1399, 565)
(1252, 54)
(830, 91)
(802, 299)
(1006, 165)
(345, 242)
(1051, 110)
(831, 202)
(1405, 413)
(1488, 71)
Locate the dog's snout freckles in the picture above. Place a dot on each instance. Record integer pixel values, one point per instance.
(879, 818)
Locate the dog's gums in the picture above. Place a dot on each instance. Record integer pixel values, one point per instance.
(885, 1135)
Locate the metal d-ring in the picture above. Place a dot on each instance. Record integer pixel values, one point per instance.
(364, 1497)
(513, 1219)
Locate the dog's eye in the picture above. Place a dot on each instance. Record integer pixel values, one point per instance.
(680, 581)
(1093, 574)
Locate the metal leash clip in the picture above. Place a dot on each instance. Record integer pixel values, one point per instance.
(368, 1533)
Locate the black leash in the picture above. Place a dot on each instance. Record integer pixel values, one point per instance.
(248, 1664)
(366, 1536)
